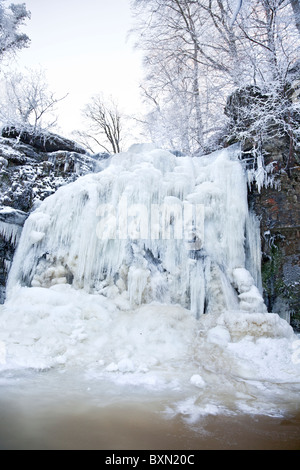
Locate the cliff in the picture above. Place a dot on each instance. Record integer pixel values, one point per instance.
(272, 159)
(279, 213)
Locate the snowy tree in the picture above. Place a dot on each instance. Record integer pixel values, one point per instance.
(185, 42)
(104, 125)
(203, 50)
(27, 103)
(273, 45)
(11, 19)
(294, 3)
(168, 31)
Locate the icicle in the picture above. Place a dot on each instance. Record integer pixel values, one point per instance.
(253, 249)
(10, 232)
(7, 265)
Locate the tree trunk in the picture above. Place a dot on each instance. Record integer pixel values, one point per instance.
(196, 92)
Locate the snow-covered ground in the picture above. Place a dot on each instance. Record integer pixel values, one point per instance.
(235, 360)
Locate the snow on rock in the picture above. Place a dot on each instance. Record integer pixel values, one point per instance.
(30, 172)
(249, 296)
(12, 216)
(255, 324)
(42, 141)
(11, 223)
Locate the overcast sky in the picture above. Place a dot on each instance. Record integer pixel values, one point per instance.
(83, 46)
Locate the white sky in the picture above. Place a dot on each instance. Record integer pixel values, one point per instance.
(83, 46)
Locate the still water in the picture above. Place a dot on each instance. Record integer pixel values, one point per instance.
(51, 411)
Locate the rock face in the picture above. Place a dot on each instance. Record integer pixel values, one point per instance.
(279, 212)
(276, 202)
(32, 168)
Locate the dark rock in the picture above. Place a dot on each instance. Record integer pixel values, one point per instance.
(44, 142)
(101, 156)
(12, 216)
(279, 213)
(276, 203)
(239, 102)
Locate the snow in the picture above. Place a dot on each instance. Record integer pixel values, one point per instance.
(218, 335)
(249, 295)
(131, 310)
(197, 380)
(60, 323)
(36, 236)
(217, 360)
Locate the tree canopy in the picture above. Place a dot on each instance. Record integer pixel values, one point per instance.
(198, 52)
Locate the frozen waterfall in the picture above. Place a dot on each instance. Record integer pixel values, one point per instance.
(146, 276)
(150, 227)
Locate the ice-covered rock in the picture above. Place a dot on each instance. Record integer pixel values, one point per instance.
(42, 141)
(11, 224)
(32, 167)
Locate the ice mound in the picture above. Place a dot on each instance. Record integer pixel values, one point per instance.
(269, 325)
(43, 327)
(48, 327)
(250, 299)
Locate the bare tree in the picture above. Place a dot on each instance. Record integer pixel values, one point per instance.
(294, 3)
(167, 33)
(104, 124)
(27, 102)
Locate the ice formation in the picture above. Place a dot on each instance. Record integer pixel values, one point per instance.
(11, 221)
(149, 227)
(11, 233)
